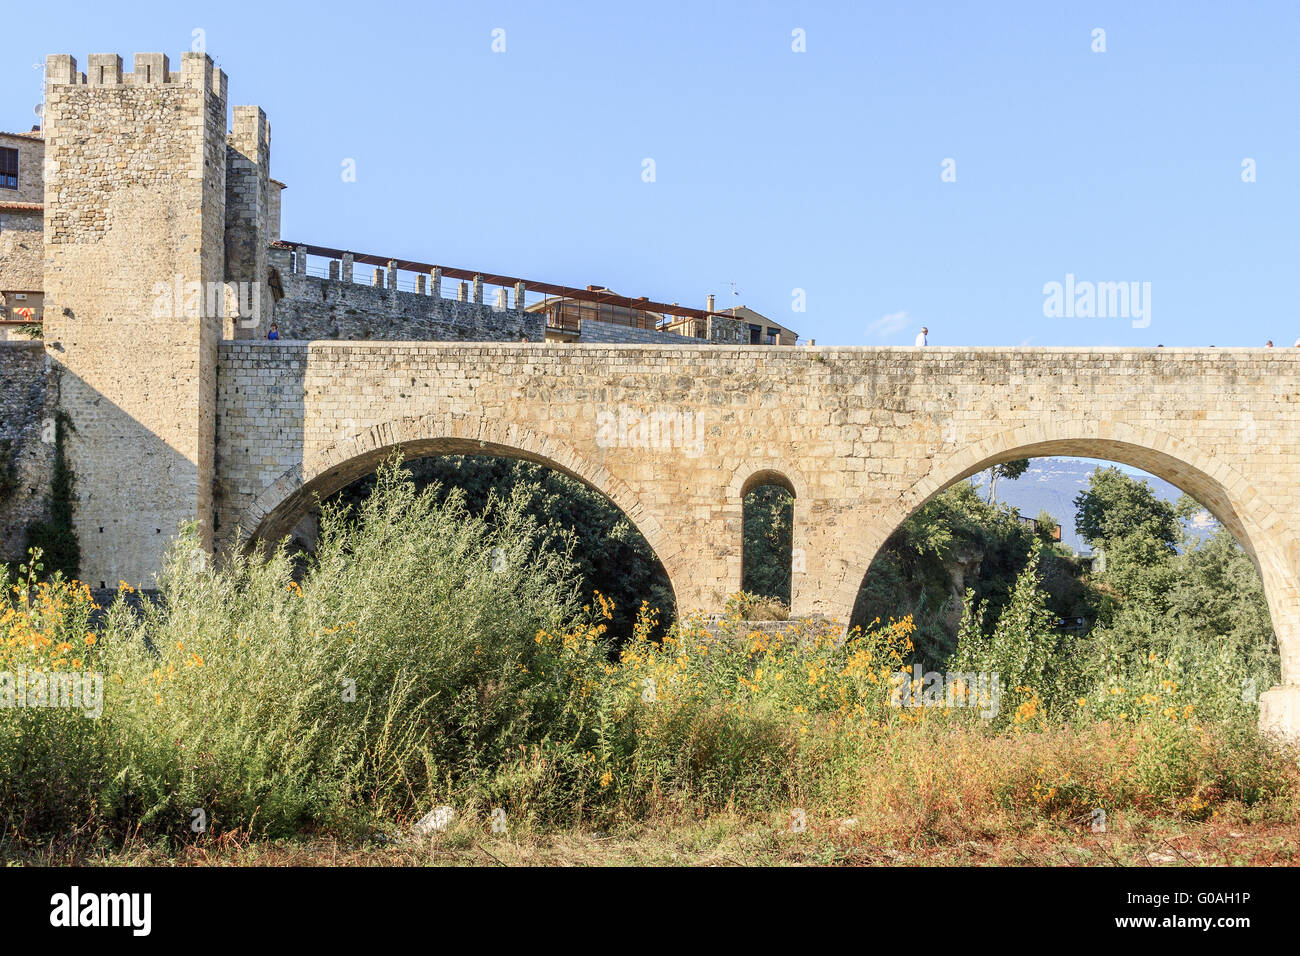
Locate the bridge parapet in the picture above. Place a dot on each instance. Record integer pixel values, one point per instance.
(330, 305)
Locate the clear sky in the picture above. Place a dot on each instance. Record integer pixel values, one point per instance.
(779, 170)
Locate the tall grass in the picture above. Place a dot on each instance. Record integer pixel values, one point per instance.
(426, 656)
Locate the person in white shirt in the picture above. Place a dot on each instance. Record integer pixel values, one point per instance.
(920, 336)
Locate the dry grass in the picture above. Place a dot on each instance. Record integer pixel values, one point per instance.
(730, 840)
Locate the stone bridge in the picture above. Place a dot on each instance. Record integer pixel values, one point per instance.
(177, 410)
(676, 435)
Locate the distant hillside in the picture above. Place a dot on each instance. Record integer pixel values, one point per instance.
(1051, 484)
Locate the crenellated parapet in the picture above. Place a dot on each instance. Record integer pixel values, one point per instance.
(150, 69)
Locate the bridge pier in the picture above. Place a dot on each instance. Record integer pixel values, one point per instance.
(1279, 713)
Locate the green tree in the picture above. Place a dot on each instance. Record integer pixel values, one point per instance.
(953, 541)
(1025, 649)
(1045, 527)
(1118, 506)
(609, 554)
(1010, 470)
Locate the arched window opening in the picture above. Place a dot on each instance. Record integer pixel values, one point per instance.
(768, 546)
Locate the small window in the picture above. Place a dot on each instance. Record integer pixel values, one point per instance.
(8, 168)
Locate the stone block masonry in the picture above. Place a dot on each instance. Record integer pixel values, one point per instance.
(137, 164)
(602, 333)
(319, 308)
(22, 249)
(28, 402)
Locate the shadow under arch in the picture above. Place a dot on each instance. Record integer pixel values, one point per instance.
(284, 502)
(1226, 494)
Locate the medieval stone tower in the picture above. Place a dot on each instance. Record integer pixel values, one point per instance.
(151, 207)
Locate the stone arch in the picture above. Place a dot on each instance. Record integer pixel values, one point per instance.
(1227, 495)
(283, 502)
(752, 474)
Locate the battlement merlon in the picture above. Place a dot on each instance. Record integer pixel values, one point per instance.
(249, 130)
(151, 69)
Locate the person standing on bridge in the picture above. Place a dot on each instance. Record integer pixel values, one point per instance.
(920, 336)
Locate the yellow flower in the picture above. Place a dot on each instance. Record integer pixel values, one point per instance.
(605, 779)
(90, 640)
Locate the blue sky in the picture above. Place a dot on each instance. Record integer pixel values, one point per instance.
(780, 170)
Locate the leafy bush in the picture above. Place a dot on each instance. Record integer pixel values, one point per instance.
(746, 606)
(426, 655)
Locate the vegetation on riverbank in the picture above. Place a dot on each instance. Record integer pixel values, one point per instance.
(426, 656)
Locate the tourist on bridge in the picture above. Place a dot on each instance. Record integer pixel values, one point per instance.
(920, 336)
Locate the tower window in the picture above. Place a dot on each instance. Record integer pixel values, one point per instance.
(8, 168)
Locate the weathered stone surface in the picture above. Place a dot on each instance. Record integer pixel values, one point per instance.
(28, 399)
(318, 308)
(22, 249)
(863, 436)
(135, 178)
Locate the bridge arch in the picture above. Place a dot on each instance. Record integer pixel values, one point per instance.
(1225, 493)
(283, 502)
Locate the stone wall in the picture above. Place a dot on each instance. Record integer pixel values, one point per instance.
(28, 399)
(725, 330)
(611, 333)
(31, 160)
(248, 212)
(319, 308)
(22, 249)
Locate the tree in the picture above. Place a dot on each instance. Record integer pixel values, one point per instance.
(1117, 506)
(610, 554)
(1025, 650)
(953, 541)
(1045, 527)
(1010, 470)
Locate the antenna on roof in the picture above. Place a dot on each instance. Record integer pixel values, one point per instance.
(734, 295)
